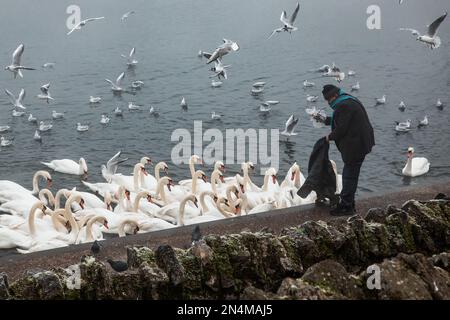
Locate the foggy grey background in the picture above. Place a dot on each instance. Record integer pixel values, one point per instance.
(168, 34)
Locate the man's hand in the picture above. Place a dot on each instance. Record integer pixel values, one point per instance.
(319, 118)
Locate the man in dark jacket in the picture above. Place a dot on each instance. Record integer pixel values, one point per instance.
(353, 134)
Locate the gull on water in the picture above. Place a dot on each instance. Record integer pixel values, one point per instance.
(4, 128)
(131, 61)
(259, 84)
(256, 91)
(272, 102)
(356, 86)
(132, 106)
(403, 126)
(57, 115)
(219, 70)
(290, 125)
(334, 72)
(351, 73)
(225, 48)
(430, 38)
(82, 128)
(381, 100)
(116, 85)
(288, 24)
(424, 122)
(118, 112)
(183, 103)
(308, 84)
(4, 142)
(264, 107)
(45, 126)
(83, 23)
(311, 98)
(45, 95)
(104, 119)
(17, 102)
(137, 84)
(402, 106)
(94, 99)
(16, 65)
(37, 136)
(439, 104)
(126, 15)
(49, 65)
(216, 84)
(215, 116)
(323, 68)
(153, 112)
(32, 119)
(16, 113)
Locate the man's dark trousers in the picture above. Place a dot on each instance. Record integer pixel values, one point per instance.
(350, 176)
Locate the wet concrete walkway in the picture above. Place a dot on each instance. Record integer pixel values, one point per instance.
(15, 265)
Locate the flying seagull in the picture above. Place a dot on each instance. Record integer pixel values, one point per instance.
(131, 61)
(291, 123)
(219, 69)
(45, 95)
(17, 102)
(16, 66)
(288, 25)
(431, 37)
(225, 48)
(113, 163)
(116, 86)
(83, 23)
(127, 15)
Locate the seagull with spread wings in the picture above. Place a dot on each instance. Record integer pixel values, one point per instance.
(116, 86)
(288, 24)
(291, 123)
(16, 66)
(431, 37)
(17, 102)
(83, 23)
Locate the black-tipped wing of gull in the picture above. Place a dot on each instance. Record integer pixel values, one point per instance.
(413, 31)
(207, 55)
(294, 15)
(432, 28)
(22, 95)
(120, 78)
(275, 31)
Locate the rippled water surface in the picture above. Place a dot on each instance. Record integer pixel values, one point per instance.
(167, 35)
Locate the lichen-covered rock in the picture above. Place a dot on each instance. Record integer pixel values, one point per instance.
(4, 288)
(154, 283)
(138, 255)
(411, 277)
(377, 215)
(441, 260)
(125, 285)
(252, 293)
(40, 285)
(332, 277)
(167, 260)
(297, 289)
(94, 279)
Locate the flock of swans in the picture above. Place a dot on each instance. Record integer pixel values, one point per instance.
(38, 219)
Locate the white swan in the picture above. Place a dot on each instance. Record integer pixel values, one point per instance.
(182, 220)
(68, 166)
(415, 166)
(6, 185)
(10, 239)
(132, 183)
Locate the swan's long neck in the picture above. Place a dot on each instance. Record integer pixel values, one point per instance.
(196, 176)
(137, 200)
(121, 228)
(59, 194)
(69, 216)
(266, 182)
(191, 167)
(297, 182)
(408, 168)
(215, 180)
(221, 210)
(136, 173)
(89, 235)
(160, 190)
(57, 220)
(202, 200)
(50, 200)
(31, 217)
(36, 181)
(181, 211)
(158, 168)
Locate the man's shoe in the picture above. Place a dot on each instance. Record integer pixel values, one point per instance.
(342, 210)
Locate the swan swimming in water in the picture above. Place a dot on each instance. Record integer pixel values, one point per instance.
(68, 166)
(415, 166)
